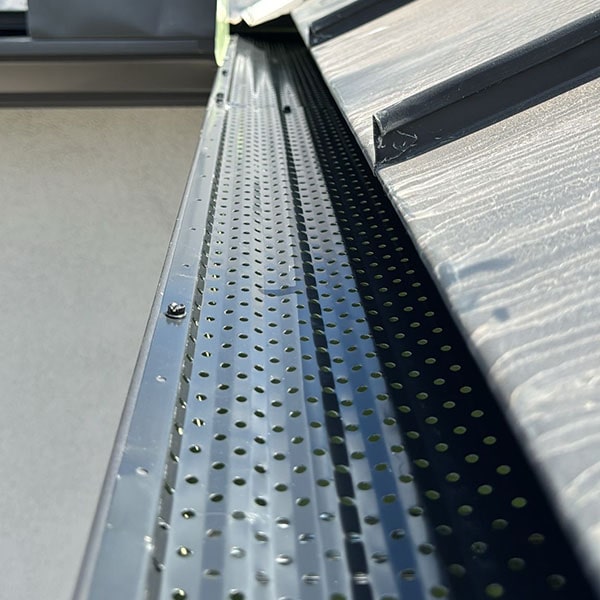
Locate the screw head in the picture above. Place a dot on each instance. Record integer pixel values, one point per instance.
(175, 310)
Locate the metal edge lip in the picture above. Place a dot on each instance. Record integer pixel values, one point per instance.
(106, 75)
(349, 17)
(103, 100)
(214, 122)
(27, 48)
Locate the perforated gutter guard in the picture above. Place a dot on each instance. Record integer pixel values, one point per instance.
(305, 422)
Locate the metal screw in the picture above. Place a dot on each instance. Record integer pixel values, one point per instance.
(175, 310)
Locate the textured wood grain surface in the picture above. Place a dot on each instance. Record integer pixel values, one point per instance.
(509, 221)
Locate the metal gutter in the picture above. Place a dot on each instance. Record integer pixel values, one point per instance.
(314, 426)
(104, 72)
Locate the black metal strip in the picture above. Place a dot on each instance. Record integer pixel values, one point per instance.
(104, 100)
(13, 23)
(26, 48)
(349, 17)
(492, 91)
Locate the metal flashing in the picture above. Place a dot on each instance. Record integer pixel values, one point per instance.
(13, 23)
(348, 17)
(117, 72)
(105, 81)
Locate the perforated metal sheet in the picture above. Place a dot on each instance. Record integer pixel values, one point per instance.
(282, 359)
(331, 438)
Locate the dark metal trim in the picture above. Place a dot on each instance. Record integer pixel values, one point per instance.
(26, 48)
(13, 23)
(493, 90)
(349, 17)
(155, 99)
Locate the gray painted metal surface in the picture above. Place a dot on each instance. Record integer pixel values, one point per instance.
(114, 19)
(313, 427)
(506, 218)
(86, 220)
